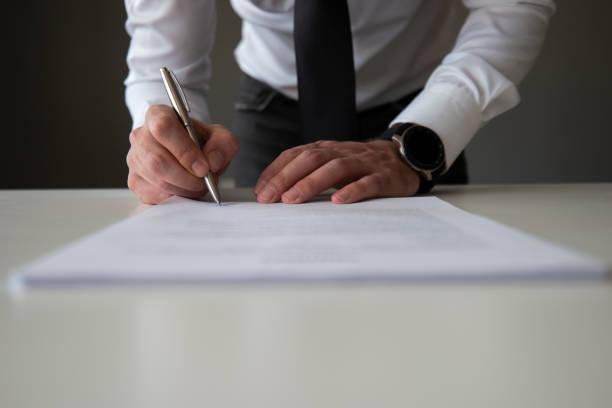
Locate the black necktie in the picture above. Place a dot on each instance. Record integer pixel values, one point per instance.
(325, 69)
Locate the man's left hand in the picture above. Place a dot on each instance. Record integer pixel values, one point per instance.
(360, 170)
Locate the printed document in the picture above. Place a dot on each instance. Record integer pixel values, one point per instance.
(184, 241)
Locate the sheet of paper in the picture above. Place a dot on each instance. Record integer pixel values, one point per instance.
(185, 241)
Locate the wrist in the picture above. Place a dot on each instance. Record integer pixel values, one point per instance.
(422, 149)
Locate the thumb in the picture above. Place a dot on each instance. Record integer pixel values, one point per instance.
(221, 145)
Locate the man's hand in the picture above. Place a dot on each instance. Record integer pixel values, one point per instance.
(360, 170)
(163, 160)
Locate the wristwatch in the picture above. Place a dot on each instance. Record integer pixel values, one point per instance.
(422, 149)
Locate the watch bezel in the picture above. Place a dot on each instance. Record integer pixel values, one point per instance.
(428, 170)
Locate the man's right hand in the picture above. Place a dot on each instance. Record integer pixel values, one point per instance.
(163, 160)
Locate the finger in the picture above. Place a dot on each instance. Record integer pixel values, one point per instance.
(279, 163)
(369, 186)
(171, 189)
(221, 145)
(336, 171)
(166, 128)
(381, 184)
(130, 160)
(301, 166)
(160, 168)
(145, 191)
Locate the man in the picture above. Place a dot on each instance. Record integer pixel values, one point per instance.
(377, 98)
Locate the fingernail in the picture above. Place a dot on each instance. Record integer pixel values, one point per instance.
(341, 196)
(292, 195)
(266, 195)
(200, 168)
(216, 160)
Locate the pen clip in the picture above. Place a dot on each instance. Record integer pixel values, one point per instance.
(176, 95)
(180, 90)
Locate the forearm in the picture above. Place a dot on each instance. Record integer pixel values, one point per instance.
(478, 79)
(174, 33)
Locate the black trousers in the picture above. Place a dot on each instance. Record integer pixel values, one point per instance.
(267, 123)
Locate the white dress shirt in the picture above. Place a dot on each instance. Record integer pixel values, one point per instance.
(468, 55)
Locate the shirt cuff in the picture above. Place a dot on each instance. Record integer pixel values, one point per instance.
(140, 96)
(450, 111)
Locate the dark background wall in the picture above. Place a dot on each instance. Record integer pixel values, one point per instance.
(71, 127)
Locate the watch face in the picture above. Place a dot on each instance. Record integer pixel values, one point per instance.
(423, 148)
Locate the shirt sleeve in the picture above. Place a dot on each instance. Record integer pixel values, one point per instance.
(478, 79)
(178, 34)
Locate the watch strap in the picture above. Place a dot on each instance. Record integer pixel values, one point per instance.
(425, 185)
(393, 130)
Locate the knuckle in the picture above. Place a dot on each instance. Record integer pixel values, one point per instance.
(306, 186)
(359, 187)
(312, 155)
(340, 165)
(294, 151)
(187, 154)
(326, 143)
(286, 154)
(353, 146)
(129, 160)
(277, 183)
(133, 137)
(335, 165)
(161, 124)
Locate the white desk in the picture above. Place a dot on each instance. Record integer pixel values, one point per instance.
(521, 344)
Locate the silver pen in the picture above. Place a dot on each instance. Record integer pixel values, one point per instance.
(181, 106)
